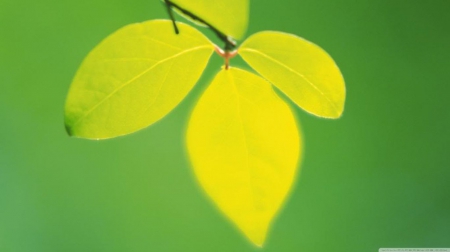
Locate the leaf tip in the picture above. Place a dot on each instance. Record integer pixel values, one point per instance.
(332, 112)
(257, 238)
(258, 243)
(68, 129)
(338, 113)
(256, 231)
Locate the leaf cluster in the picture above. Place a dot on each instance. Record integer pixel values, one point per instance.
(242, 139)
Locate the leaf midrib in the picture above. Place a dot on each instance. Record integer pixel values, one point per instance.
(295, 72)
(244, 135)
(135, 78)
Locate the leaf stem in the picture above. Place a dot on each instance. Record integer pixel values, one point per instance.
(227, 55)
(229, 43)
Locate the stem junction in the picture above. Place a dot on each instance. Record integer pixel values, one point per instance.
(227, 55)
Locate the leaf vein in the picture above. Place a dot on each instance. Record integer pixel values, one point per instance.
(162, 42)
(244, 135)
(137, 77)
(295, 72)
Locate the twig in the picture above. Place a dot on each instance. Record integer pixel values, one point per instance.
(169, 10)
(229, 43)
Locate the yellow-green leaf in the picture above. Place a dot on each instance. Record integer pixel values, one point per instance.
(299, 68)
(133, 78)
(244, 146)
(228, 16)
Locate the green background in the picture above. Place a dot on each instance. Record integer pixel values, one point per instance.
(377, 177)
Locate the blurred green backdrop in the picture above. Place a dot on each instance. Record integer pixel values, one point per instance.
(377, 177)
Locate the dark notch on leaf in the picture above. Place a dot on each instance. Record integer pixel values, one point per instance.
(229, 43)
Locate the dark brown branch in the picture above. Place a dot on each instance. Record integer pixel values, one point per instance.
(229, 43)
(169, 10)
